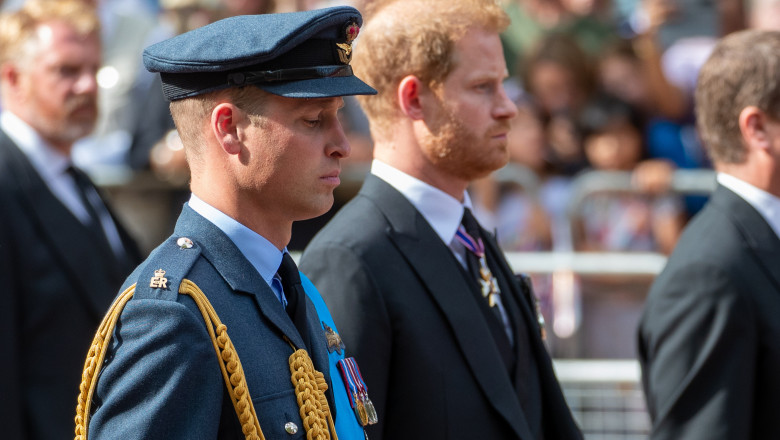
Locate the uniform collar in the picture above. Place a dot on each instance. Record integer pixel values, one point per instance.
(260, 252)
(442, 211)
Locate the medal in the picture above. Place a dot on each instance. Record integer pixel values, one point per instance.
(360, 410)
(357, 392)
(370, 410)
(487, 282)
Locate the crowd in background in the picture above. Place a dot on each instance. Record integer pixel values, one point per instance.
(600, 85)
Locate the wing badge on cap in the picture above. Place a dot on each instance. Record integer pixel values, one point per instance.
(351, 31)
(334, 340)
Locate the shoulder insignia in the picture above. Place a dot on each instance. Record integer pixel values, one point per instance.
(158, 280)
(160, 276)
(334, 340)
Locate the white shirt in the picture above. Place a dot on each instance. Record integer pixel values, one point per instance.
(51, 165)
(442, 211)
(260, 252)
(766, 204)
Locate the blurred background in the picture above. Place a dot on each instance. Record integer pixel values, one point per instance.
(606, 166)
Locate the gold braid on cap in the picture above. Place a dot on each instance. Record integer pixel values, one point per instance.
(232, 372)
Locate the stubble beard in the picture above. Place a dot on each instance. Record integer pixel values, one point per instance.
(452, 148)
(72, 127)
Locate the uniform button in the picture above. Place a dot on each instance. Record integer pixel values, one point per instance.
(184, 242)
(291, 428)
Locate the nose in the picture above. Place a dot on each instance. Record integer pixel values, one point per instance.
(504, 108)
(86, 83)
(338, 145)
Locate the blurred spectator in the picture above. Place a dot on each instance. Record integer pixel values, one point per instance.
(558, 74)
(155, 141)
(586, 21)
(646, 220)
(62, 251)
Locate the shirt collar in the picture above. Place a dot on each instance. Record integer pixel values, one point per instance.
(45, 159)
(442, 211)
(766, 204)
(260, 252)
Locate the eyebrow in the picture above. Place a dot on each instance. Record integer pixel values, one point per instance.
(324, 103)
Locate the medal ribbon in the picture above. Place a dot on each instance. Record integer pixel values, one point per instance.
(477, 247)
(355, 373)
(349, 379)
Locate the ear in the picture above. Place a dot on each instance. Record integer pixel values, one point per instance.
(752, 125)
(9, 74)
(225, 119)
(409, 90)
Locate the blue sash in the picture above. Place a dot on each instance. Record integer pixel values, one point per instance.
(347, 426)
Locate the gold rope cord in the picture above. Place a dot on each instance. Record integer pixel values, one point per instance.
(309, 383)
(232, 372)
(310, 387)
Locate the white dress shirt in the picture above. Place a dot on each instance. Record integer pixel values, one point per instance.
(766, 204)
(52, 166)
(442, 211)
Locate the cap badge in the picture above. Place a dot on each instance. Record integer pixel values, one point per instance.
(158, 280)
(351, 31)
(334, 340)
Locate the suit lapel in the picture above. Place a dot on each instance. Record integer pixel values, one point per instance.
(88, 264)
(434, 263)
(759, 236)
(236, 269)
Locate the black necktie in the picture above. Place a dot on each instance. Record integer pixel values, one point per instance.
(472, 229)
(296, 297)
(85, 189)
(479, 270)
(92, 202)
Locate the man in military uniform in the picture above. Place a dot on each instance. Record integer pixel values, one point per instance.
(255, 100)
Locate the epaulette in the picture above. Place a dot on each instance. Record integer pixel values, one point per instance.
(160, 276)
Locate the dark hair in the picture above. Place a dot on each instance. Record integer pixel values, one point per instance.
(602, 111)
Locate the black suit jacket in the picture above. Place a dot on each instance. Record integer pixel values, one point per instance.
(56, 283)
(405, 310)
(709, 339)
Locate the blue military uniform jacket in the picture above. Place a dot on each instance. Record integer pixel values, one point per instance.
(161, 378)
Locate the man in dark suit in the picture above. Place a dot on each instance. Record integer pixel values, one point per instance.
(447, 336)
(216, 334)
(709, 338)
(62, 251)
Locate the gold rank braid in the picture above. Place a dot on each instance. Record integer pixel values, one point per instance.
(230, 364)
(310, 387)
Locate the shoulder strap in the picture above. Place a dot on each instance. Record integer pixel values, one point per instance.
(229, 363)
(310, 384)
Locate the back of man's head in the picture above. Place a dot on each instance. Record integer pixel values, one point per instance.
(414, 37)
(743, 70)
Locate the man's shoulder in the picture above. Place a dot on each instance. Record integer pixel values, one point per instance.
(359, 219)
(161, 274)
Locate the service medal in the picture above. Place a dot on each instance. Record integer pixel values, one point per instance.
(360, 411)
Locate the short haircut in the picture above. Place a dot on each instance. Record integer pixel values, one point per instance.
(18, 29)
(414, 37)
(189, 113)
(743, 70)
